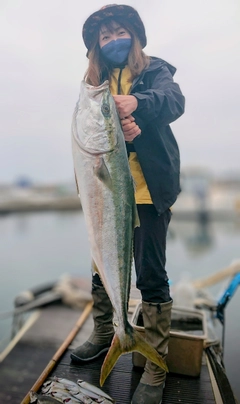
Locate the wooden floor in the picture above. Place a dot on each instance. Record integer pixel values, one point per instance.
(22, 367)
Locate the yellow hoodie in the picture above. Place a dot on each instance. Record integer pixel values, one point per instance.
(142, 194)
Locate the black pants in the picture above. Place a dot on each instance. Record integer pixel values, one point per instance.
(150, 255)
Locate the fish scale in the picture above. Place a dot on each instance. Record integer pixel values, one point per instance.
(106, 191)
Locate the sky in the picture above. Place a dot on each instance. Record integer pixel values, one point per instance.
(43, 60)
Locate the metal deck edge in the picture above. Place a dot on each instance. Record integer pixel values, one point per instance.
(215, 388)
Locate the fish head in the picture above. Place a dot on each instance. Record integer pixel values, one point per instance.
(97, 121)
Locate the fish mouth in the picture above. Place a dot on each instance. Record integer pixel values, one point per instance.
(96, 89)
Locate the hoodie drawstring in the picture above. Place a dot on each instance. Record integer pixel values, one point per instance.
(119, 81)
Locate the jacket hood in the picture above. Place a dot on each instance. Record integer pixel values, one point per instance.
(156, 63)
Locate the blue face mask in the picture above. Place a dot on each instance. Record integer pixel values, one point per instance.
(117, 51)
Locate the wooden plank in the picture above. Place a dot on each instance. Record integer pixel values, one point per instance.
(27, 326)
(21, 368)
(26, 361)
(56, 357)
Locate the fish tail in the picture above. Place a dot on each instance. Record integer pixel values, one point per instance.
(111, 358)
(131, 341)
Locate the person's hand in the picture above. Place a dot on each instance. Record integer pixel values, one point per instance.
(130, 128)
(125, 104)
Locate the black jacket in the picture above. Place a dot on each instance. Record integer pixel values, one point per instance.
(160, 102)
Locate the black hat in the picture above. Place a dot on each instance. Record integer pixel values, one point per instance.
(111, 11)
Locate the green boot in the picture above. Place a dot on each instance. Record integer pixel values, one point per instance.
(101, 337)
(157, 322)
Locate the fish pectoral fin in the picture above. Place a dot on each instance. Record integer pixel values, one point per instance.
(132, 341)
(102, 173)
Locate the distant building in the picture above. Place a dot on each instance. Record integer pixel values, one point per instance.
(23, 182)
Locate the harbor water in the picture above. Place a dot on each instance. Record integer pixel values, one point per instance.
(37, 248)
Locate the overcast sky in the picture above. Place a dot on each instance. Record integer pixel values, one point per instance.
(43, 60)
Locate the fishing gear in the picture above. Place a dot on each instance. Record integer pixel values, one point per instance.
(224, 300)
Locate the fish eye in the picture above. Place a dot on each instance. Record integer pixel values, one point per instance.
(105, 109)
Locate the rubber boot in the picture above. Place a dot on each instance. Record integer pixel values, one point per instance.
(101, 337)
(157, 322)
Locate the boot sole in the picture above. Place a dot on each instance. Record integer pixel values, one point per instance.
(77, 359)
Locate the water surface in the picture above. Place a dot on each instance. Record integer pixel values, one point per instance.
(41, 247)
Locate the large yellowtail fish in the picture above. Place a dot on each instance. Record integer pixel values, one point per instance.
(106, 191)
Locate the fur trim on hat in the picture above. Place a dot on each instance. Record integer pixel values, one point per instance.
(112, 11)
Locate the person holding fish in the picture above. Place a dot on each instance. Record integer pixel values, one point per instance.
(147, 100)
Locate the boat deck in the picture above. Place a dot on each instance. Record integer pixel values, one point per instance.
(30, 356)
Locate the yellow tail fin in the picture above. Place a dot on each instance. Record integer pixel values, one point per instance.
(131, 342)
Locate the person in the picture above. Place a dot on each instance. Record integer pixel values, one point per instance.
(147, 100)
